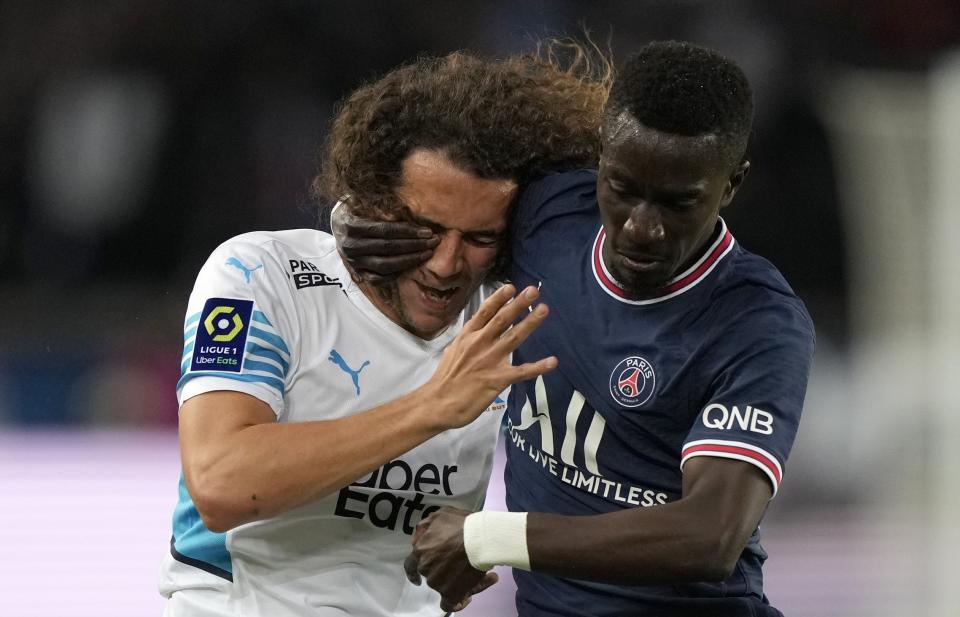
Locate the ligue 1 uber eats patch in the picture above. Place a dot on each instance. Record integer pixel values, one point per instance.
(222, 335)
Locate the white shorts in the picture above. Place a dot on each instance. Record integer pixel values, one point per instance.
(200, 595)
(197, 603)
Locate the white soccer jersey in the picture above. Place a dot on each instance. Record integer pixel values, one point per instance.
(276, 315)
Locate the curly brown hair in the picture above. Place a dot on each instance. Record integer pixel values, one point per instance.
(515, 118)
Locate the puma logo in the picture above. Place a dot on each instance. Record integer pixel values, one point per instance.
(337, 359)
(247, 272)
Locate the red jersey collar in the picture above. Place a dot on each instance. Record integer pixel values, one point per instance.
(718, 249)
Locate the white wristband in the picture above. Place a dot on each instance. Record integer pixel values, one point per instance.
(496, 539)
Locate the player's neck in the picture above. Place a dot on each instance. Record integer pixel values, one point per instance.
(698, 254)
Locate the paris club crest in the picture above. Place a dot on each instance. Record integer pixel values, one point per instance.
(632, 382)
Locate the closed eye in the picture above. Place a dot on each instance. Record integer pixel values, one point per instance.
(686, 204)
(482, 239)
(617, 187)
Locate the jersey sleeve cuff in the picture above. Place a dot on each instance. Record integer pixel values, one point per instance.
(201, 384)
(738, 450)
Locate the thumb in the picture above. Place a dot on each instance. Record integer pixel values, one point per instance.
(489, 580)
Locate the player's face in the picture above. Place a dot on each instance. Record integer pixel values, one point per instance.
(660, 196)
(470, 216)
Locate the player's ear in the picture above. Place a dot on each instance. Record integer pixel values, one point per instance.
(737, 176)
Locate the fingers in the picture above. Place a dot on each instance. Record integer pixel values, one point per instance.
(530, 370)
(345, 223)
(489, 308)
(509, 314)
(411, 566)
(451, 606)
(421, 529)
(379, 265)
(376, 250)
(388, 230)
(489, 580)
(385, 247)
(512, 338)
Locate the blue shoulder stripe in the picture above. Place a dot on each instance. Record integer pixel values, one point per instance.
(189, 334)
(273, 382)
(267, 352)
(266, 367)
(259, 316)
(192, 320)
(273, 339)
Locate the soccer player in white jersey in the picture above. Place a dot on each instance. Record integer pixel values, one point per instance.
(304, 475)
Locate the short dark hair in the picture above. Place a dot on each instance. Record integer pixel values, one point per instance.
(683, 89)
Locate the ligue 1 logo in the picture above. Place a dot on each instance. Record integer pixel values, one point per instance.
(632, 382)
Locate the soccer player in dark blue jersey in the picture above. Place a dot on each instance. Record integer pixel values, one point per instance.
(639, 470)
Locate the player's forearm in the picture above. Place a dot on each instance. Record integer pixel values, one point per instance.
(263, 470)
(240, 465)
(698, 537)
(669, 543)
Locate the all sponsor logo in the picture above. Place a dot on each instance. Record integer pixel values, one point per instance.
(632, 382)
(305, 274)
(565, 464)
(222, 335)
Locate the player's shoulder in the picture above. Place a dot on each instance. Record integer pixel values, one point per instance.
(754, 290)
(549, 205)
(309, 243)
(272, 264)
(561, 182)
(570, 187)
(280, 253)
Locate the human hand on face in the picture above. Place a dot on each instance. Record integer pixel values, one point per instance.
(377, 251)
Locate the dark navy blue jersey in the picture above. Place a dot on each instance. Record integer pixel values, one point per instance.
(716, 365)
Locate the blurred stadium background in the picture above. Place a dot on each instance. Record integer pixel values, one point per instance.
(135, 136)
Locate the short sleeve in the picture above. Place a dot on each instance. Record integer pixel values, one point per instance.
(755, 401)
(554, 196)
(552, 215)
(240, 324)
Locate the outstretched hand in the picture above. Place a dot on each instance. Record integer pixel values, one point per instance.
(476, 367)
(377, 251)
(439, 557)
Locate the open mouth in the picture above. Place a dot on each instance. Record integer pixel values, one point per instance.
(435, 297)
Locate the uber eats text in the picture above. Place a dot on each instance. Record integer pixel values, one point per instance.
(380, 500)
